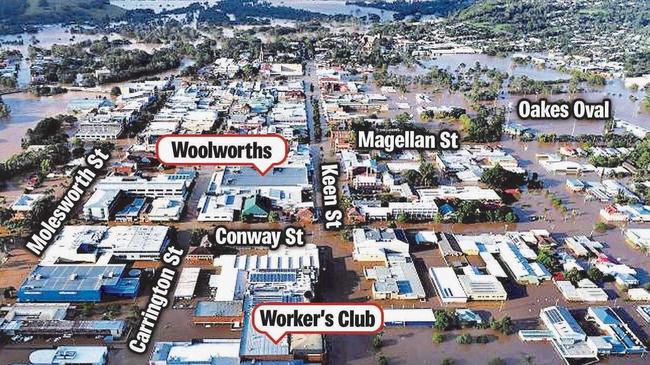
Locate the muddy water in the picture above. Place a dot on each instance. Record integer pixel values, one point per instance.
(329, 7)
(26, 111)
(624, 107)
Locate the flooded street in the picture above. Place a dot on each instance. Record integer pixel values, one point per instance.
(268, 104)
(26, 111)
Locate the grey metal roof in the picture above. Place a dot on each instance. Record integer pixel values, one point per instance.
(230, 308)
(278, 176)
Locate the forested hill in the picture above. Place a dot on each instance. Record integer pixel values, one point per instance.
(409, 7)
(56, 11)
(554, 16)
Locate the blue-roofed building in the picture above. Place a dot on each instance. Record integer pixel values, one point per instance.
(77, 283)
(618, 338)
(131, 211)
(26, 202)
(256, 346)
(219, 312)
(446, 209)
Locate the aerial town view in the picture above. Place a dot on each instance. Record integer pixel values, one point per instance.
(295, 182)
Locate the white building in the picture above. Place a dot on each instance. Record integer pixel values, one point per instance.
(447, 285)
(26, 202)
(219, 208)
(482, 287)
(397, 280)
(640, 237)
(374, 244)
(70, 355)
(161, 185)
(457, 192)
(567, 336)
(96, 244)
(206, 351)
(283, 185)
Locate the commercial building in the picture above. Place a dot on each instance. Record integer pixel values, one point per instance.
(186, 284)
(36, 327)
(458, 192)
(70, 355)
(618, 338)
(49, 319)
(447, 285)
(585, 292)
(95, 244)
(638, 294)
(398, 280)
(168, 185)
(220, 208)
(482, 287)
(520, 269)
(639, 237)
(200, 352)
(283, 185)
(644, 312)
(216, 313)
(373, 244)
(567, 336)
(100, 128)
(77, 283)
(26, 202)
(409, 317)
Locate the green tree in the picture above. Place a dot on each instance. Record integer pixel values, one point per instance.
(427, 174)
(437, 337)
(87, 309)
(448, 361)
(527, 359)
(464, 339)
(601, 226)
(574, 275)
(402, 218)
(443, 321)
(595, 275)
(45, 167)
(273, 217)
(377, 342)
(504, 325)
(412, 177)
(549, 260)
(500, 178)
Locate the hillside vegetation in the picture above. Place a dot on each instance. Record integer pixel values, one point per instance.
(56, 11)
